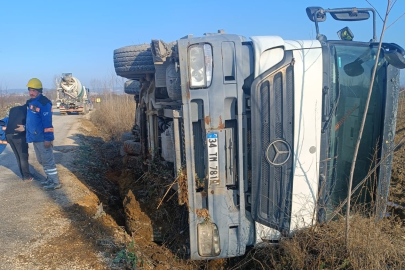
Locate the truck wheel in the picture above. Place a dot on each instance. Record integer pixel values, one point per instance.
(132, 148)
(133, 62)
(127, 136)
(132, 87)
(122, 152)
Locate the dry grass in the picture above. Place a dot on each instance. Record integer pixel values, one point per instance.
(7, 101)
(372, 246)
(183, 187)
(114, 115)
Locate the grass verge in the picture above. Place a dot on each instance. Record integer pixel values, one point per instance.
(114, 115)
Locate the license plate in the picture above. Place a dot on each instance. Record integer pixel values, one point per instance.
(213, 169)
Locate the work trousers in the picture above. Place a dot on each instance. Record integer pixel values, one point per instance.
(19, 146)
(46, 159)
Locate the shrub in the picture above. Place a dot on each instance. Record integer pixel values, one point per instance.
(114, 115)
(8, 101)
(372, 246)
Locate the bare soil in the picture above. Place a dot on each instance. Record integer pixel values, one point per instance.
(156, 234)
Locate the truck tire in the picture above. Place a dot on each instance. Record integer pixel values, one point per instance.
(132, 148)
(127, 136)
(173, 83)
(132, 87)
(122, 152)
(133, 62)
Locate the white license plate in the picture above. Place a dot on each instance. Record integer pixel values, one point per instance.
(213, 169)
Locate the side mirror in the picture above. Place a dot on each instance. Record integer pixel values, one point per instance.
(318, 14)
(311, 11)
(353, 15)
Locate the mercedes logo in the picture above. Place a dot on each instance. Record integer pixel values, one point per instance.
(278, 152)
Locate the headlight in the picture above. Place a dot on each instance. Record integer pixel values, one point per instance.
(208, 240)
(200, 65)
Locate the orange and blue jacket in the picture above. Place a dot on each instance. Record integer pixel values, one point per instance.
(39, 120)
(3, 126)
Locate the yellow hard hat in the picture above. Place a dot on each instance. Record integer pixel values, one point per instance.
(34, 83)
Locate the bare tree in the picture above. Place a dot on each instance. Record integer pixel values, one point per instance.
(353, 166)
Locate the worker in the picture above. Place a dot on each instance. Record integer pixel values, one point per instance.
(40, 132)
(16, 138)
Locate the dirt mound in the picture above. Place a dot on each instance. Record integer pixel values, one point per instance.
(157, 223)
(138, 224)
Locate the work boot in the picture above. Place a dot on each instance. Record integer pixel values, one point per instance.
(53, 186)
(46, 182)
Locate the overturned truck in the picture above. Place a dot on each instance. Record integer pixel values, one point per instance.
(265, 129)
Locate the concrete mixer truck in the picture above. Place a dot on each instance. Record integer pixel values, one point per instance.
(72, 96)
(264, 129)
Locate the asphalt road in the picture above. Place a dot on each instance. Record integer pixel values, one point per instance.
(63, 136)
(24, 204)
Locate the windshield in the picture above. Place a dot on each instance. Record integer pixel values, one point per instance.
(351, 69)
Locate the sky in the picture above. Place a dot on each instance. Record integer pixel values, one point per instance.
(45, 38)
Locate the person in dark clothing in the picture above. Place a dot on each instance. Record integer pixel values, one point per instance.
(16, 137)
